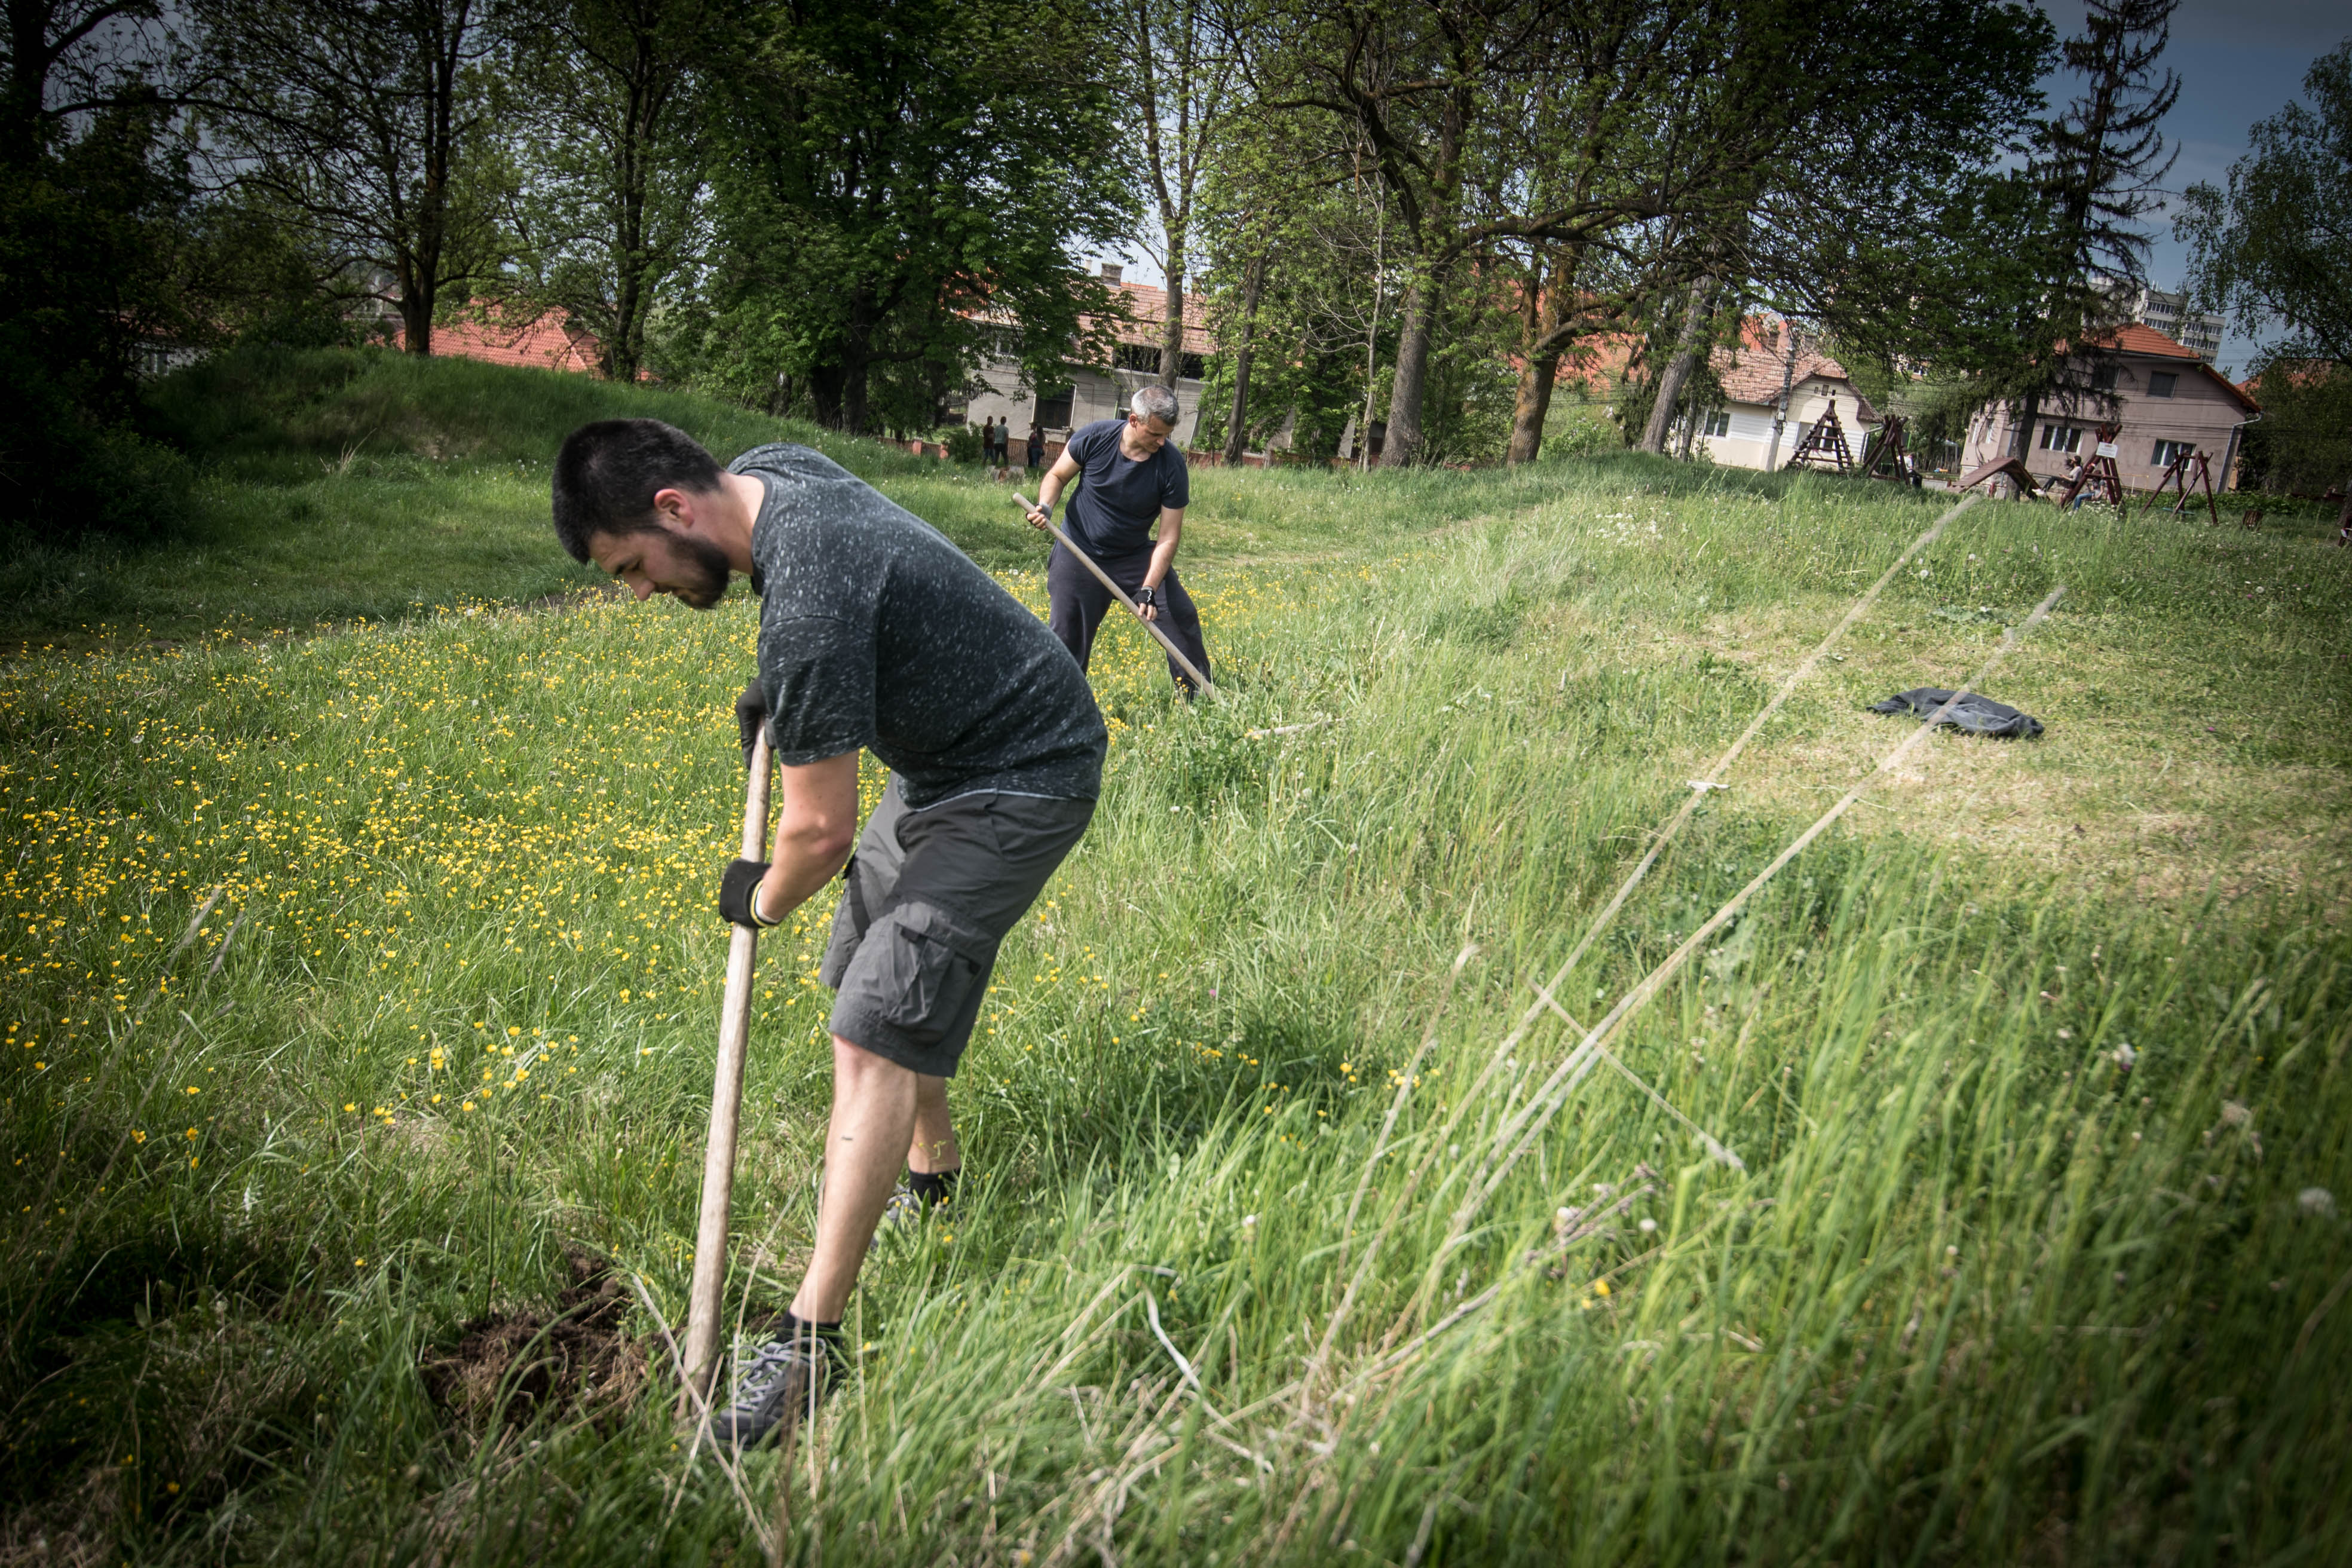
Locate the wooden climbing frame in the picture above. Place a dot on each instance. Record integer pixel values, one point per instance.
(1825, 444)
(2186, 465)
(2098, 476)
(1883, 455)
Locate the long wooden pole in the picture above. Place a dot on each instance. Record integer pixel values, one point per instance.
(702, 1313)
(1103, 577)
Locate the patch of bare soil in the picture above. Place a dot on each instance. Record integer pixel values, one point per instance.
(577, 1359)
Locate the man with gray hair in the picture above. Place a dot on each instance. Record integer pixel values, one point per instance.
(1132, 476)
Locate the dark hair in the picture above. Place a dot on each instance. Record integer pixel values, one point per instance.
(608, 472)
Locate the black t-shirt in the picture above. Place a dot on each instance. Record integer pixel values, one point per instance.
(874, 631)
(1114, 509)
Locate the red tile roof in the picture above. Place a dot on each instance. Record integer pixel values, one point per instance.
(1752, 372)
(1148, 307)
(2136, 338)
(549, 342)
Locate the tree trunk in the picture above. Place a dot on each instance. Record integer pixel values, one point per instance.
(1539, 371)
(1236, 425)
(415, 314)
(854, 410)
(1402, 445)
(824, 389)
(1532, 408)
(1406, 437)
(1678, 369)
(2029, 413)
(1171, 342)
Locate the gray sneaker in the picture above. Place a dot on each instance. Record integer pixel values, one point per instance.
(903, 1210)
(783, 1382)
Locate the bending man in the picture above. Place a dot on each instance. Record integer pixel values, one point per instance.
(876, 634)
(1133, 478)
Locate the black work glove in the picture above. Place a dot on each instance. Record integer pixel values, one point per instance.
(736, 885)
(750, 717)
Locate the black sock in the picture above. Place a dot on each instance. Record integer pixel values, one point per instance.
(932, 1189)
(796, 1330)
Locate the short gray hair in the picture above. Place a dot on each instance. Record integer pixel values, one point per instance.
(1156, 402)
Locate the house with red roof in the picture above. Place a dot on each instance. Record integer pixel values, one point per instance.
(1752, 430)
(1092, 395)
(2164, 395)
(550, 342)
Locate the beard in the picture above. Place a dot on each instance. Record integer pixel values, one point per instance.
(705, 570)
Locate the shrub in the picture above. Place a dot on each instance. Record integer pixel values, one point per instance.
(65, 472)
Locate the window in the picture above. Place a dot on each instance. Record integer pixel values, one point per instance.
(1053, 408)
(1145, 357)
(2166, 451)
(2062, 437)
(1717, 422)
(2102, 379)
(2161, 383)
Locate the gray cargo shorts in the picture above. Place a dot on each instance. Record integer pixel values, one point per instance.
(928, 897)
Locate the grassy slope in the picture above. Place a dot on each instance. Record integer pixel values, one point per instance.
(1980, 1289)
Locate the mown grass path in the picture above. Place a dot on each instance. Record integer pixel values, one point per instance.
(2036, 1064)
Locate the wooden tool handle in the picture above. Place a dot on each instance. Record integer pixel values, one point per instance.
(702, 1314)
(1103, 577)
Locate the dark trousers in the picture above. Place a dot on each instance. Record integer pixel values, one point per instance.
(1079, 603)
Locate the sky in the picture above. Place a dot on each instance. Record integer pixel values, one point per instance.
(2238, 61)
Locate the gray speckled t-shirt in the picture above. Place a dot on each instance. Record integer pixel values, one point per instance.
(876, 631)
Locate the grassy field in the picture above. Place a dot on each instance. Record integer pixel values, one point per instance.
(362, 984)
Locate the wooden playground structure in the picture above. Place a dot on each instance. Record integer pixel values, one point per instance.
(1884, 455)
(2185, 464)
(1824, 444)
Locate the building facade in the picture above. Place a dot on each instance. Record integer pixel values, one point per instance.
(1092, 395)
(1741, 433)
(2199, 331)
(2163, 396)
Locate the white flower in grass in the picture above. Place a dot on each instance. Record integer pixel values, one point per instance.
(2234, 1115)
(2126, 1056)
(2316, 1202)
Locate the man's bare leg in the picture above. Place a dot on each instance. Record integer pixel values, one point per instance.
(873, 1123)
(934, 1149)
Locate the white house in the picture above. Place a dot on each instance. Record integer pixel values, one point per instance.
(1091, 394)
(1739, 434)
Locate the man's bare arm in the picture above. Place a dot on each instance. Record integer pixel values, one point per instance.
(814, 832)
(1163, 554)
(1049, 489)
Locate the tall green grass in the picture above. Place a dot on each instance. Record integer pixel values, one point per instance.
(1992, 1287)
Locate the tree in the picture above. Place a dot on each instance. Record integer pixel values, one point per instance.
(892, 206)
(1611, 152)
(362, 124)
(1300, 244)
(95, 219)
(2274, 250)
(1420, 87)
(607, 134)
(1182, 88)
(2096, 176)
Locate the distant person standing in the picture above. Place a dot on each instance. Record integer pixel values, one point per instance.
(1132, 476)
(1036, 446)
(988, 442)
